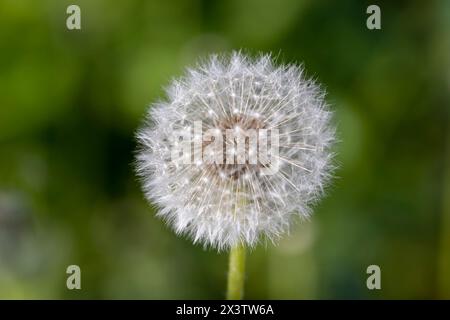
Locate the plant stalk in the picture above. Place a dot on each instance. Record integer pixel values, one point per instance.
(236, 273)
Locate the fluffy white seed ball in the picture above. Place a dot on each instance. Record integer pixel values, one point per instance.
(223, 204)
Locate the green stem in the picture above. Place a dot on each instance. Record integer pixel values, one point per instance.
(236, 273)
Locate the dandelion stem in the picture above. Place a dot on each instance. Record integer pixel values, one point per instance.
(236, 273)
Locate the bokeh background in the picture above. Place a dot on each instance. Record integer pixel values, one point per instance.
(70, 103)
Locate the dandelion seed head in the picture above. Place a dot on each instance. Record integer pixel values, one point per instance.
(223, 204)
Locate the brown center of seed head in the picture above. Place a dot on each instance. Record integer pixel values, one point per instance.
(230, 168)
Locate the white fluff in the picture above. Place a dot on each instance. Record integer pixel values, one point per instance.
(216, 209)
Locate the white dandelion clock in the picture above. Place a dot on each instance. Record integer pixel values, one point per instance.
(237, 150)
(223, 204)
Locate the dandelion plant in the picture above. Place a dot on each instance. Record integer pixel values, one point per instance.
(237, 150)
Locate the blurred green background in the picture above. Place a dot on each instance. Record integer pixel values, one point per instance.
(70, 102)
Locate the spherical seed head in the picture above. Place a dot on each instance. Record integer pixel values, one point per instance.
(228, 201)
